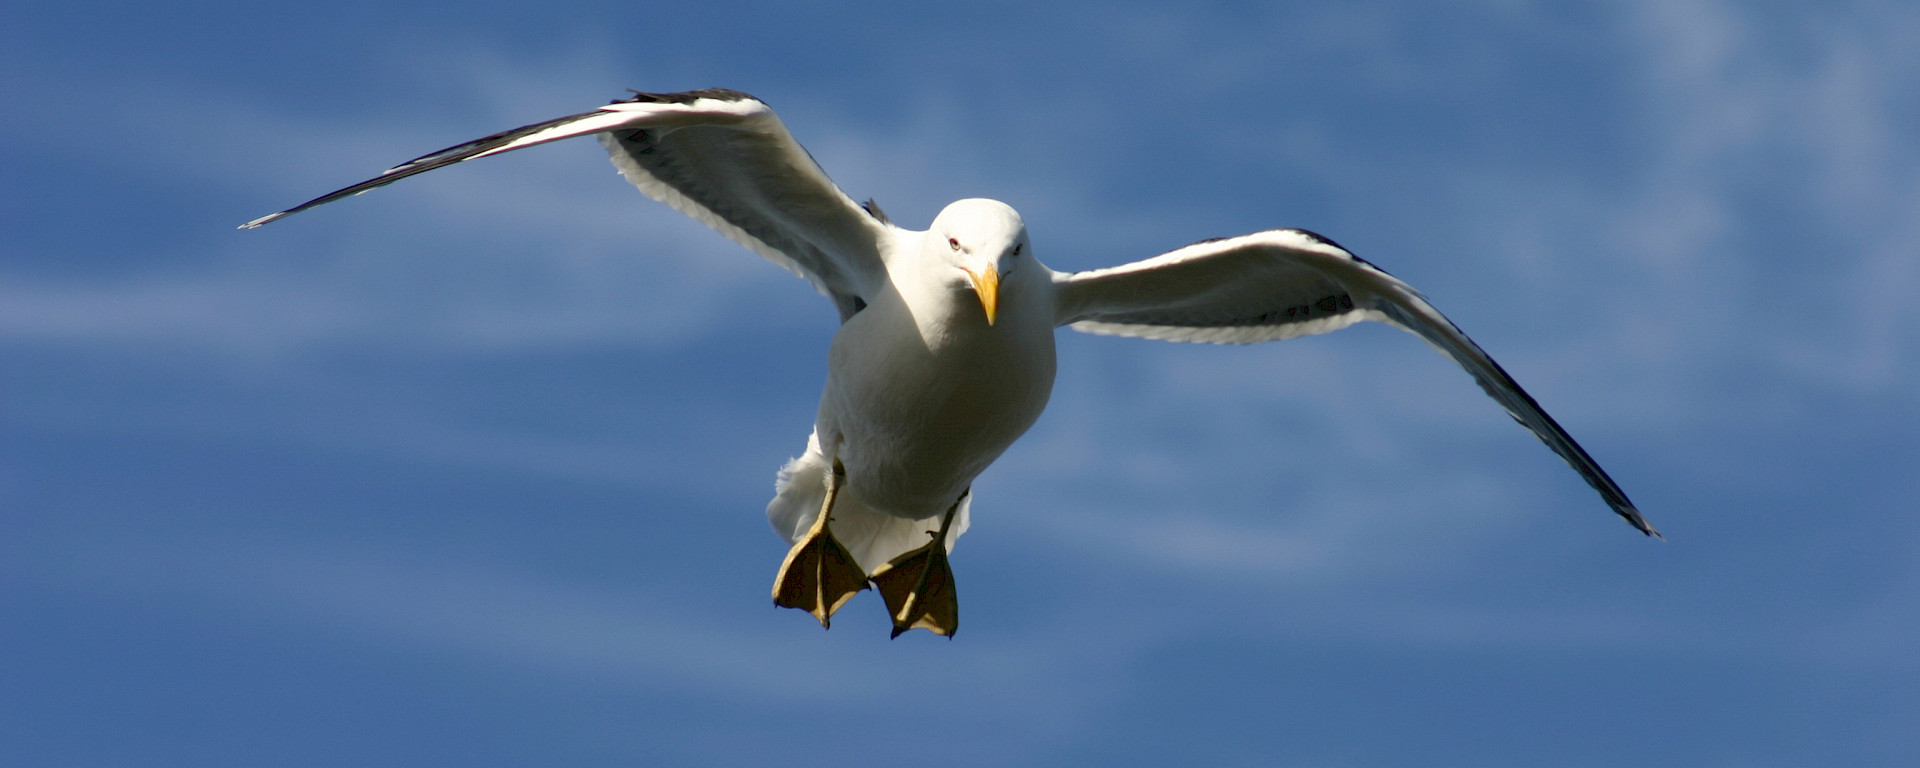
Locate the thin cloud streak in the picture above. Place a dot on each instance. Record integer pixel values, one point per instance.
(1704, 279)
(493, 616)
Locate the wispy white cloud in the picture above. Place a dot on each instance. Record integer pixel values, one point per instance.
(528, 251)
(1707, 280)
(1815, 129)
(1620, 330)
(486, 615)
(518, 624)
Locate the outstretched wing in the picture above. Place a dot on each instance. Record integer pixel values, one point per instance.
(719, 156)
(1287, 283)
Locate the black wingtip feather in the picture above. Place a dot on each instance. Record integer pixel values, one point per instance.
(684, 97)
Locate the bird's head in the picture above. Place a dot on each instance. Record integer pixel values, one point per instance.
(984, 240)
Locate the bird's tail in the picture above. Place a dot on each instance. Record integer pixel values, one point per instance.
(872, 536)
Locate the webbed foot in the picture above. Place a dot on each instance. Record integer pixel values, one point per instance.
(819, 574)
(918, 586)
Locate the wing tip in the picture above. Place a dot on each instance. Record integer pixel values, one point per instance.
(264, 220)
(1639, 522)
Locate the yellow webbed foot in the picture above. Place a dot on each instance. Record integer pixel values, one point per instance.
(918, 588)
(818, 576)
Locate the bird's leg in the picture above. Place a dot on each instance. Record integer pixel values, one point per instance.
(918, 585)
(819, 574)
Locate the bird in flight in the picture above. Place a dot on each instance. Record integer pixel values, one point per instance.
(945, 351)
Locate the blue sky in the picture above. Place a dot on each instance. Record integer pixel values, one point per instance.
(471, 470)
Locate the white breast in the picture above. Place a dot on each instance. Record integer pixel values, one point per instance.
(923, 395)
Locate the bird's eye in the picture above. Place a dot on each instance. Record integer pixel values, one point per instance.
(1017, 247)
(953, 243)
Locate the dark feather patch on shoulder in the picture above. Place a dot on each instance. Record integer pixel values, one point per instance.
(1316, 237)
(873, 209)
(684, 97)
(1368, 263)
(1323, 239)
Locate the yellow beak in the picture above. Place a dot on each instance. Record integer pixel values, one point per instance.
(987, 285)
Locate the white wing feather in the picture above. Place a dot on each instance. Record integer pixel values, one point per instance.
(719, 156)
(1287, 283)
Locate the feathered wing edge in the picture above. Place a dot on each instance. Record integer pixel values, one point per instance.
(1284, 284)
(1412, 313)
(719, 156)
(504, 141)
(756, 185)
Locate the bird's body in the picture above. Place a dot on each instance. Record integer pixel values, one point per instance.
(922, 394)
(925, 393)
(945, 353)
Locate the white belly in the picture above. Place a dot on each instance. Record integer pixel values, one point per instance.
(920, 408)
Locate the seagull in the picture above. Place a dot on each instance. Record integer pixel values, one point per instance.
(945, 352)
